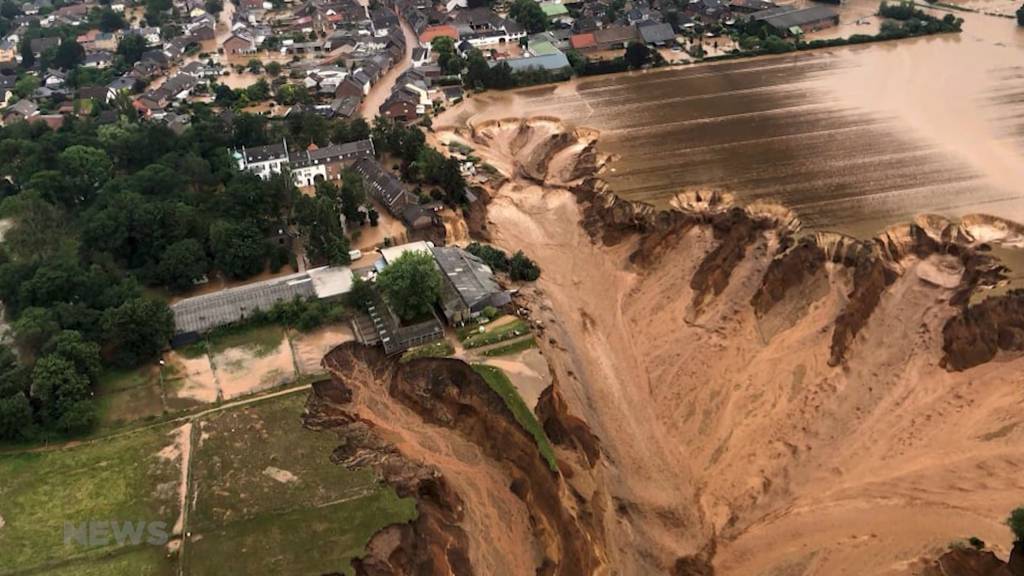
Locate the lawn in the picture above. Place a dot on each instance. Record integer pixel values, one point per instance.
(439, 349)
(268, 492)
(125, 396)
(262, 340)
(512, 347)
(121, 479)
(500, 383)
(493, 335)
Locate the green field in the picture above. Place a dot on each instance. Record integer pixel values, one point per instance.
(514, 347)
(440, 349)
(262, 339)
(125, 396)
(500, 383)
(508, 331)
(273, 494)
(119, 479)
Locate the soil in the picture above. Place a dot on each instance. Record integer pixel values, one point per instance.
(241, 370)
(834, 442)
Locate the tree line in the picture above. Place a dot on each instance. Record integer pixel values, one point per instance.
(106, 217)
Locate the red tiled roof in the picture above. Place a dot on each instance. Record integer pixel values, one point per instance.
(582, 41)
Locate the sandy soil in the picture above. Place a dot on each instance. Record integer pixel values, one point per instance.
(190, 379)
(242, 371)
(311, 347)
(528, 372)
(180, 450)
(711, 433)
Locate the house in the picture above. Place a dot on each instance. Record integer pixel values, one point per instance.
(240, 42)
(7, 82)
(316, 164)
(40, 45)
(468, 285)
(121, 84)
(20, 110)
(102, 59)
(583, 42)
(383, 186)
(750, 6)
(344, 107)
(482, 27)
(402, 105)
(264, 161)
(614, 37)
(54, 79)
(8, 51)
(356, 84)
(786, 21)
(420, 56)
(551, 62)
(656, 33)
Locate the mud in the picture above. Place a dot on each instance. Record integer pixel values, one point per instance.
(471, 434)
(768, 401)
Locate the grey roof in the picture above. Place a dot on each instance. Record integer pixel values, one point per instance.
(264, 153)
(471, 278)
(556, 61)
(202, 313)
(657, 33)
(383, 185)
(787, 20)
(23, 108)
(333, 152)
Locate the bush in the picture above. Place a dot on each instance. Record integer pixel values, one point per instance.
(519, 267)
(1016, 524)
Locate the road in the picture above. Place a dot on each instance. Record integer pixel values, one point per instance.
(382, 89)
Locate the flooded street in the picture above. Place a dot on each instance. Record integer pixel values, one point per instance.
(851, 138)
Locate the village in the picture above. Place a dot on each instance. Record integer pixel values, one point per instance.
(402, 59)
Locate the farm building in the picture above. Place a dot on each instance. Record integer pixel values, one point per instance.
(787, 21)
(469, 284)
(199, 314)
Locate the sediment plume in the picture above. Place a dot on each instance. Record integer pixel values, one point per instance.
(766, 400)
(432, 428)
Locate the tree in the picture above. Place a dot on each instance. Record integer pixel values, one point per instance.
(522, 268)
(110, 21)
(255, 65)
(15, 416)
(84, 355)
(25, 86)
(34, 328)
(1016, 524)
(138, 330)
(63, 392)
(637, 54)
(28, 57)
(238, 248)
(1020, 15)
(411, 284)
(529, 15)
(68, 55)
(362, 294)
(258, 91)
(319, 221)
(373, 215)
(353, 194)
(273, 69)
(182, 264)
(86, 169)
(214, 6)
(131, 47)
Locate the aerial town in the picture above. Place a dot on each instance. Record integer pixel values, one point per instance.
(512, 287)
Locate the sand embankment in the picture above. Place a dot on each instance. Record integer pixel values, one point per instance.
(766, 403)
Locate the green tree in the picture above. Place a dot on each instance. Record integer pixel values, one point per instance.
(353, 194)
(273, 69)
(131, 47)
(255, 65)
(63, 392)
(214, 6)
(15, 416)
(319, 222)
(25, 86)
(34, 328)
(529, 15)
(68, 55)
(362, 294)
(182, 264)
(1016, 524)
(1020, 15)
(86, 168)
(522, 268)
(138, 330)
(84, 355)
(110, 21)
(28, 57)
(637, 54)
(239, 249)
(411, 284)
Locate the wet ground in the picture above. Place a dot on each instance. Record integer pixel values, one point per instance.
(852, 138)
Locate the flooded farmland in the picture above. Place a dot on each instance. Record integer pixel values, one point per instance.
(851, 138)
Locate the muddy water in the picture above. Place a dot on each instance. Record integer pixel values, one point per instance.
(852, 138)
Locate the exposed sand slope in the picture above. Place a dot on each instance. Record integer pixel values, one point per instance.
(711, 434)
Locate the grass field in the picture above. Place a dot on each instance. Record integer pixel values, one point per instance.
(125, 396)
(122, 479)
(512, 347)
(261, 339)
(268, 494)
(500, 383)
(440, 349)
(499, 333)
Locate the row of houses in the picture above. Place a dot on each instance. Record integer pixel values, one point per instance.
(307, 166)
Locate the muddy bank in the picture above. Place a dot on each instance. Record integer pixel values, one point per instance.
(434, 430)
(767, 401)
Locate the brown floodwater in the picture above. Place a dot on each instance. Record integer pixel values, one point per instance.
(852, 138)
